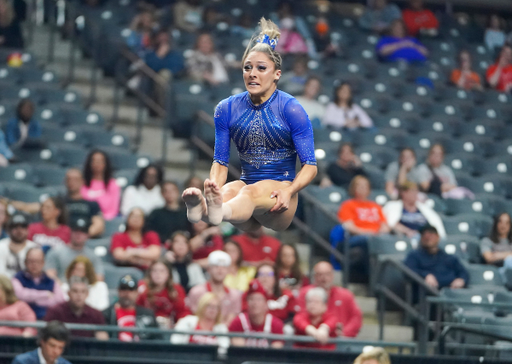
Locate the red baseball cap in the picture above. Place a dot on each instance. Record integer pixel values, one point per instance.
(256, 287)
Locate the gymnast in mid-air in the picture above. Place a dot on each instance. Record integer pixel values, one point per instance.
(269, 128)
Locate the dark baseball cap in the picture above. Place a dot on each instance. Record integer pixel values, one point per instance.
(80, 224)
(127, 283)
(429, 228)
(18, 219)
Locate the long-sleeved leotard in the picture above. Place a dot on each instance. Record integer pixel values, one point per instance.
(268, 137)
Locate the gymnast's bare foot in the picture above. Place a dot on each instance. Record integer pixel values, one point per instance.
(213, 198)
(196, 205)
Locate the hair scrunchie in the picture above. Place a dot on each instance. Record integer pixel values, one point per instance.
(266, 40)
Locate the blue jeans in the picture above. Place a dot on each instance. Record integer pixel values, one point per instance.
(357, 243)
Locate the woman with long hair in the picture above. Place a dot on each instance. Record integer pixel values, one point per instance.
(145, 192)
(464, 77)
(52, 231)
(269, 128)
(289, 273)
(12, 309)
(99, 185)
(343, 112)
(238, 276)
(496, 249)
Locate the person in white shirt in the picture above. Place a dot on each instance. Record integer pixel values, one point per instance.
(343, 112)
(13, 249)
(145, 192)
(309, 102)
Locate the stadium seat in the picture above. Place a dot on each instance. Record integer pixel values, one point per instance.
(99, 138)
(455, 206)
(398, 120)
(36, 76)
(125, 177)
(49, 176)
(17, 173)
(377, 155)
(475, 224)
(437, 203)
(71, 155)
(332, 195)
(121, 159)
(114, 274)
(466, 247)
(483, 275)
(16, 92)
(50, 114)
(47, 156)
(73, 116)
(497, 165)
(27, 193)
(480, 127)
(61, 97)
(469, 163)
(101, 248)
(114, 226)
(57, 134)
(375, 175)
(379, 245)
(379, 196)
(444, 124)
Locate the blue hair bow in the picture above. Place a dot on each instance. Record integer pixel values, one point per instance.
(266, 40)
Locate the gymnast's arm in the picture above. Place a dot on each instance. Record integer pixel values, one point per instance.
(219, 170)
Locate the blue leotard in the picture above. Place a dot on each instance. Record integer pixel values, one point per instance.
(268, 137)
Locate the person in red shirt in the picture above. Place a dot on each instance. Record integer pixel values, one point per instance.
(341, 301)
(499, 75)
(136, 247)
(159, 293)
(52, 230)
(315, 321)
(288, 270)
(420, 20)
(281, 302)
(205, 240)
(256, 319)
(258, 247)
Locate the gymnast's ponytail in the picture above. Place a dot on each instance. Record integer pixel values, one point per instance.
(266, 42)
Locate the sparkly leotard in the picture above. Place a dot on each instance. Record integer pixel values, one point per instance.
(268, 137)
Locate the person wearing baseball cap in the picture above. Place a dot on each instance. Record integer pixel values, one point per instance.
(231, 299)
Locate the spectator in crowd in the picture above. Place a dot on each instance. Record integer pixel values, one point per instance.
(53, 339)
(188, 15)
(340, 302)
(206, 64)
(76, 311)
(464, 77)
(11, 35)
(207, 318)
(258, 247)
(405, 169)
(194, 181)
(159, 293)
(379, 15)
(230, 299)
(185, 271)
(347, 166)
(6, 154)
(205, 240)
(34, 287)
(82, 267)
(438, 268)
(59, 259)
(281, 302)
(23, 129)
(244, 26)
(398, 46)
(494, 34)
(499, 75)
(135, 246)
(12, 309)
(406, 216)
(417, 19)
(294, 81)
(309, 102)
(437, 177)
(126, 313)
(141, 28)
(172, 217)
(99, 185)
(496, 249)
(239, 276)
(256, 319)
(14, 248)
(52, 231)
(327, 45)
(376, 355)
(211, 18)
(145, 192)
(316, 321)
(4, 218)
(343, 112)
(288, 271)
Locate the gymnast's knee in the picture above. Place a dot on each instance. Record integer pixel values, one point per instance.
(251, 191)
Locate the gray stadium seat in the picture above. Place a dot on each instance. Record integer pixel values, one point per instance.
(61, 97)
(49, 176)
(437, 203)
(113, 226)
(125, 177)
(17, 173)
(114, 274)
(474, 224)
(123, 159)
(71, 155)
(98, 138)
(332, 195)
(469, 163)
(483, 275)
(455, 206)
(74, 116)
(27, 193)
(377, 155)
(375, 175)
(465, 247)
(101, 248)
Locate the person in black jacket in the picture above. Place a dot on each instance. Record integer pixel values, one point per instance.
(341, 172)
(125, 313)
(10, 28)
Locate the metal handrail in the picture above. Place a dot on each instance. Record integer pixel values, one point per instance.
(471, 329)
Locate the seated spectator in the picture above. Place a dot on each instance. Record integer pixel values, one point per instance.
(438, 268)
(172, 217)
(309, 102)
(12, 309)
(52, 231)
(184, 271)
(327, 46)
(340, 301)
(145, 192)
(76, 311)
(99, 184)
(34, 287)
(343, 112)
(347, 166)
(244, 26)
(497, 248)
(464, 77)
(136, 247)
(159, 293)
(4, 217)
(188, 15)
(316, 321)
(494, 35)
(14, 248)
(207, 318)
(289, 273)
(11, 35)
(397, 46)
(499, 75)
(82, 267)
(405, 169)
(230, 299)
(126, 313)
(376, 355)
(205, 240)
(417, 19)
(239, 276)
(406, 216)
(211, 18)
(141, 28)
(23, 129)
(59, 259)
(293, 81)
(194, 181)
(256, 319)
(258, 247)
(379, 15)
(6, 154)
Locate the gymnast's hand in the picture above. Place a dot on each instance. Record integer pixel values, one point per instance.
(283, 198)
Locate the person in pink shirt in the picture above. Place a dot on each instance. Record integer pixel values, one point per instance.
(13, 310)
(52, 231)
(99, 185)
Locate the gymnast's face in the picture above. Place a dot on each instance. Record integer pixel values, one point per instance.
(260, 75)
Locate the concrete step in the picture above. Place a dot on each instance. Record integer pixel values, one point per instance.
(392, 333)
